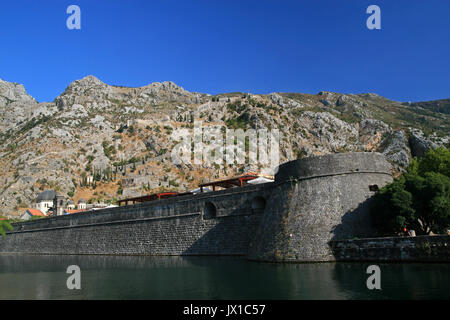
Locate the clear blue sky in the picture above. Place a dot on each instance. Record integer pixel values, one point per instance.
(216, 46)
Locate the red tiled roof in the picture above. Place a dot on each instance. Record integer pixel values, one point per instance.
(35, 212)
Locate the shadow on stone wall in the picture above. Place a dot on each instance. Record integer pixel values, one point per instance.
(355, 239)
(356, 223)
(230, 236)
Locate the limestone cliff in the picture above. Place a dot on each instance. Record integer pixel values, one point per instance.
(120, 136)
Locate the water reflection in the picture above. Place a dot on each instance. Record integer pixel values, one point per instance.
(398, 281)
(128, 277)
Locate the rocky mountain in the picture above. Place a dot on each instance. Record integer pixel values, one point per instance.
(442, 106)
(104, 142)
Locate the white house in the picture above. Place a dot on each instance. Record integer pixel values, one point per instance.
(81, 204)
(44, 201)
(70, 205)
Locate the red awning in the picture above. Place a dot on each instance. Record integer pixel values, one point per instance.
(151, 197)
(229, 183)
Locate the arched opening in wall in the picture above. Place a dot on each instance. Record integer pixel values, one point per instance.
(209, 211)
(258, 203)
(373, 187)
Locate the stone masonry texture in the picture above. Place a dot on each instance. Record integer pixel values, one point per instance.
(318, 199)
(313, 204)
(411, 249)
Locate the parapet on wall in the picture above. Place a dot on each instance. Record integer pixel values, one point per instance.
(312, 201)
(316, 200)
(219, 223)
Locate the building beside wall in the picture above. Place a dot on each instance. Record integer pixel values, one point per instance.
(59, 202)
(51, 203)
(44, 201)
(70, 205)
(81, 204)
(31, 213)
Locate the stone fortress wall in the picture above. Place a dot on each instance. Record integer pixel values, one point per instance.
(322, 199)
(313, 202)
(219, 223)
(394, 249)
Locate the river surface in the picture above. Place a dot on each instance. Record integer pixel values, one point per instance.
(139, 277)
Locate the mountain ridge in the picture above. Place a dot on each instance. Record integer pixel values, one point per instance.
(120, 135)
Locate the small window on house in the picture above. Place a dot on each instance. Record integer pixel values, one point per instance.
(373, 187)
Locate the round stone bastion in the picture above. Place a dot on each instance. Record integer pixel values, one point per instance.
(316, 200)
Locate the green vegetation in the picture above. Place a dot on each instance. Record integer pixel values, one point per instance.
(33, 123)
(109, 150)
(36, 217)
(236, 123)
(133, 160)
(168, 129)
(173, 183)
(441, 106)
(348, 117)
(418, 200)
(237, 106)
(241, 121)
(401, 117)
(5, 225)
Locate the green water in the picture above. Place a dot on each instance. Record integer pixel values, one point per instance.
(123, 277)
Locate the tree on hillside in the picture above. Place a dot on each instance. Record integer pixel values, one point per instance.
(4, 226)
(418, 200)
(436, 160)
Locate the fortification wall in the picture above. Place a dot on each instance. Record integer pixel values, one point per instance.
(411, 249)
(312, 201)
(317, 200)
(219, 223)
